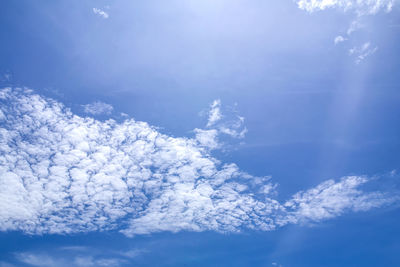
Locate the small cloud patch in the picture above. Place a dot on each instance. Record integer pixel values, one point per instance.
(98, 108)
(100, 13)
(339, 39)
(361, 52)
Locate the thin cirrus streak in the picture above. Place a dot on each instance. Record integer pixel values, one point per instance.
(62, 173)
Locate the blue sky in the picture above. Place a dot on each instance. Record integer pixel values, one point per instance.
(199, 133)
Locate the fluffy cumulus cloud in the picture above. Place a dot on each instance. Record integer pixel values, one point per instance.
(98, 108)
(361, 7)
(61, 173)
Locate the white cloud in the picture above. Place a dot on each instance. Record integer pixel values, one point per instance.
(339, 39)
(78, 256)
(98, 108)
(87, 261)
(234, 128)
(214, 114)
(219, 124)
(61, 173)
(47, 260)
(132, 253)
(37, 259)
(354, 26)
(331, 199)
(361, 7)
(100, 13)
(207, 138)
(360, 53)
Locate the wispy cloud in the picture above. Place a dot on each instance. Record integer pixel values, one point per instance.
(41, 259)
(74, 248)
(91, 261)
(78, 256)
(214, 114)
(361, 7)
(360, 53)
(132, 253)
(354, 26)
(98, 108)
(6, 76)
(100, 13)
(61, 173)
(218, 124)
(331, 199)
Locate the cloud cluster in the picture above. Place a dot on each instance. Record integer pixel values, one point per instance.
(361, 7)
(61, 173)
(98, 108)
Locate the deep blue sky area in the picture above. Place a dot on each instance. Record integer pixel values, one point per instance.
(315, 107)
(366, 240)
